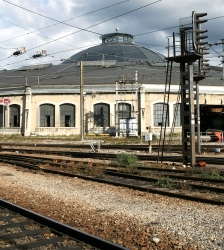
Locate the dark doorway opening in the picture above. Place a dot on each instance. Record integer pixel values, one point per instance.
(15, 123)
(212, 117)
(67, 120)
(48, 120)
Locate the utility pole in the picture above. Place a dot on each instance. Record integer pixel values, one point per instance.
(222, 42)
(116, 111)
(168, 46)
(81, 102)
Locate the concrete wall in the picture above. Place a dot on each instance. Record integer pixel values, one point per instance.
(30, 103)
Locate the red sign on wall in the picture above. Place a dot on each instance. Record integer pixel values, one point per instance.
(5, 100)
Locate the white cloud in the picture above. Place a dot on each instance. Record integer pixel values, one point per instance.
(155, 17)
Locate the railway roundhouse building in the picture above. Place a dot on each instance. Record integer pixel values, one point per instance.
(123, 93)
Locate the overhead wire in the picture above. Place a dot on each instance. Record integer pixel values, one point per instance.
(109, 6)
(63, 22)
(115, 56)
(153, 31)
(89, 50)
(80, 29)
(126, 66)
(57, 23)
(73, 75)
(136, 60)
(93, 70)
(123, 14)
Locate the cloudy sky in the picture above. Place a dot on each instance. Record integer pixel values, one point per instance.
(64, 27)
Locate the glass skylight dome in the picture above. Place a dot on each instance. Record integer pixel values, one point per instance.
(118, 47)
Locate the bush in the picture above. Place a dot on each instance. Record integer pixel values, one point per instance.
(126, 160)
(210, 175)
(166, 183)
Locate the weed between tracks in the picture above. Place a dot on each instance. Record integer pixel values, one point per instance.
(166, 183)
(127, 163)
(87, 169)
(94, 171)
(211, 175)
(126, 160)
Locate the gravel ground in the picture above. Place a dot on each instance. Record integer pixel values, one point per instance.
(131, 218)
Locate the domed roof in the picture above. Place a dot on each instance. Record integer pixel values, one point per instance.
(118, 47)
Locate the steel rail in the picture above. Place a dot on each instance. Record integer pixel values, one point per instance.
(41, 160)
(150, 179)
(60, 228)
(208, 160)
(172, 176)
(142, 147)
(157, 169)
(140, 188)
(26, 161)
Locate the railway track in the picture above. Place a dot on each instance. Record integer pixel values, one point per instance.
(140, 171)
(139, 147)
(24, 229)
(106, 156)
(126, 180)
(177, 178)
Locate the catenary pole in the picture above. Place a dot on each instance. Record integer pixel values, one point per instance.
(81, 101)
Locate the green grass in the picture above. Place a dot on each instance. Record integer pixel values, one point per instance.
(166, 183)
(210, 174)
(124, 159)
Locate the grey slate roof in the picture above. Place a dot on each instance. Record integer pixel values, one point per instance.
(34, 67)
(67, 76)
(104, 64)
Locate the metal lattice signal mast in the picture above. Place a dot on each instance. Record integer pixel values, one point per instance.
(198, 41)
(189, 49)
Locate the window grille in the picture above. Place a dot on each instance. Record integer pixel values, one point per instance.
(47, 115)
(158, 114)
(67, 115)
(124, 110)
(102, 115)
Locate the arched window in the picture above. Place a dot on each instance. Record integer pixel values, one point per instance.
(67, 115)
(102, 115)
(47, 115)
(176, 114)
(14, 115)
(124, 110)
(158, 114)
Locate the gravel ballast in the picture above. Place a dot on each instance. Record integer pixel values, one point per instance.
(130, 218)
